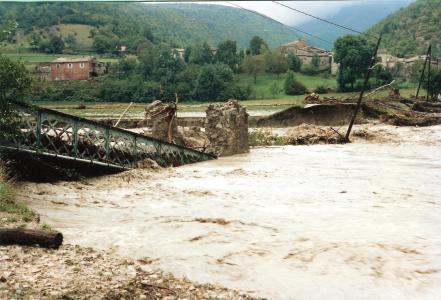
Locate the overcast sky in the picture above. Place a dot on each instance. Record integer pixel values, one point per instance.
(319, 8)
(282, 14)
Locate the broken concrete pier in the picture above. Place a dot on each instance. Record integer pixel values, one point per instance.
(226, 127)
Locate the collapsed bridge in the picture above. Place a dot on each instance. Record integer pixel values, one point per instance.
(46, 132)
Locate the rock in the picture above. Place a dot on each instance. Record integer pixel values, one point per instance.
(159, 115)
(226, 127)
(148, 163)
(192, 137)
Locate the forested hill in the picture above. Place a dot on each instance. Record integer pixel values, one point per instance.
(410, 30)
(178, 24)
(360, 15)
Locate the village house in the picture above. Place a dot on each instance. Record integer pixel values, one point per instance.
(70, 69)
(179, 52)
(403, 65)
(306, 52)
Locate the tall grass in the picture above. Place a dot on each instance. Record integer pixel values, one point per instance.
(8, 204)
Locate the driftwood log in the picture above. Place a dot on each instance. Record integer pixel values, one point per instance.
(424, 106)
(28, 237)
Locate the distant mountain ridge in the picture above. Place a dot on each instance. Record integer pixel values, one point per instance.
(410, 30)
(178, 24)
(360, 16)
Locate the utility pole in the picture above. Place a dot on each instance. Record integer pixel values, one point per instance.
(366, 80)
(428, 73)
(429, 50)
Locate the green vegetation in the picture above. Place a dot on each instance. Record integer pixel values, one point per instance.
(410, 30)
(262, 137)
(353, 53)
(107, 26)
(15, 211)
(262, 88)
(15, 82)
(80, 32)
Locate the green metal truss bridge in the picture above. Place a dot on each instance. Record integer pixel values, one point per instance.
(55, 134)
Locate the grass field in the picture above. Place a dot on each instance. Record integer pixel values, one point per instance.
(254, 107)
(35, 57)
(81, 33)
(262, 88)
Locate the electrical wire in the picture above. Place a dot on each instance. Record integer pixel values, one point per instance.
(290, 27)
(323, 20)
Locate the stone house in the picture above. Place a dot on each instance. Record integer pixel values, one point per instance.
(70, 69)
(402, 65)
(306, 52)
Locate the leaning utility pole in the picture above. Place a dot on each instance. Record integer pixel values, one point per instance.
(366, 80)
(429, 51)
(428, 73)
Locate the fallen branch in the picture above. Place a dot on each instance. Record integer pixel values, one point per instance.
(28, 237)
(147, 285)
(380, 88)
(336, 131)
(122, 115)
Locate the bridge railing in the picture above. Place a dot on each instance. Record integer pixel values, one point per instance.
(50, 132)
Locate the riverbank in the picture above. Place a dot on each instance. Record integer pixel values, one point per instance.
(75, 272)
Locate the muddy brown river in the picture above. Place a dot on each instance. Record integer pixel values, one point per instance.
(357, 221)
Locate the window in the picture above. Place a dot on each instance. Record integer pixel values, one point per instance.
(70, 66)
(82, 65)
(58, 66)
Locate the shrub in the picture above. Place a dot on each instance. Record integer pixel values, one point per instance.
(288, 82)
(309, 70)
(7, 201)
(321, 89)
(297, 88)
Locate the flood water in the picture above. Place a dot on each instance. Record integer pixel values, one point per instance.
(357, 221)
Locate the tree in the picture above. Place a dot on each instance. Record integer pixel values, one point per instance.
(276, 63)
(34, 40)
(15, 81)
(294, 62)
(126, 67)
(315, 61)
(7, 28)
(254, 65)
(212, 81)
(54, 45)
(227, 54)
(103, 44)
(71, 41)
(289, 79)
(292, 86)
(200, 54)
(187, 53)
(353, 53)
(274, 89)
(382, 75)
(257, 45)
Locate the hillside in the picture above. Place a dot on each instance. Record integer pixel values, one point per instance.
(177, 24)
(359, 15)
(410, 30)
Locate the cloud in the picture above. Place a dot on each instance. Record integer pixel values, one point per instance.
(283, 14)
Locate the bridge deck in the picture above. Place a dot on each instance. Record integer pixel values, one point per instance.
(52, 133)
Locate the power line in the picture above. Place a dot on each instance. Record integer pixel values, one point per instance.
(288, 26)
(321, 19)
